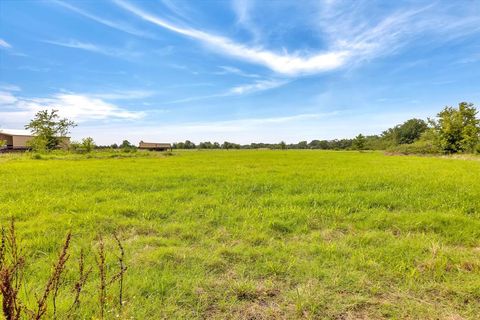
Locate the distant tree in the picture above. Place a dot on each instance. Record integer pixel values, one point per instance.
(179, 145)
(205, 145)
(359, 142)
(227, 145)
(458, 128)
(375, 142)
(410, 131)
(88, 144)
(48, 129)
(282, 145)
(126, 145)
(189, 145)
(114, 146)
(230, 145)
(216, 145)
(302, 145)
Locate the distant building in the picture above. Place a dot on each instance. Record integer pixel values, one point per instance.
(154, 146)
(16, 139)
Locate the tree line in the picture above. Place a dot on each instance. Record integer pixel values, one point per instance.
(453, 130)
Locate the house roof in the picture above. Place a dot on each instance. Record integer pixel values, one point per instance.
(15, 132)
(154, 145)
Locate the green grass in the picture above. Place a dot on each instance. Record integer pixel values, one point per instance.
(261, 234)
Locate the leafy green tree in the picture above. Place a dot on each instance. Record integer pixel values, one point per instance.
(189, 145)
(126, 145)
(230, 145)
(88, 144)
(359, 142)
(179, 145)
(458, 128)
(48, 129)
(227, 145)
(405, 133)
(410, 131)
(205, 145)
(282, 145)
(303, 145)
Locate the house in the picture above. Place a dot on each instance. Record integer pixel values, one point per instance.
(16, 139)
(154, 146)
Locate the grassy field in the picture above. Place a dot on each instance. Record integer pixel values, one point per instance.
(260, 234)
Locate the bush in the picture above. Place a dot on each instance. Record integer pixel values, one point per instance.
(38, 144)
(129, 150)
(419, 147)
(88, 144)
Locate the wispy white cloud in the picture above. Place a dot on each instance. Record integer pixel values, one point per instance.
(352, 35)
(78, 45)
(179, 8)
(112, 52)
(4, 44)
(282, 63)
(34, 69)
(260, 85)
(257, 86)
(233, 70)
(7, 98)
(124, 95)
(112, 24)
(242, 9)
(9, 87)
(360, 27)
(17, 110)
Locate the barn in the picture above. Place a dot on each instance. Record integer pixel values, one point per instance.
(153, 146)
(16, 139)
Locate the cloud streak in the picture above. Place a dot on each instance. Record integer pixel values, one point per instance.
(124, 95)
(111, 52)
(350, 35)
(260, 85)
(236, 71)
(4, 44)
(282, 63)
(79, 107)
(257, 86)
(112, 24)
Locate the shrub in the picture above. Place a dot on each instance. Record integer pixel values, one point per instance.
(88, 144)
(38, 144)
(419, 147)
(359, 142)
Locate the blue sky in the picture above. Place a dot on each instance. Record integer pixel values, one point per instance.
(242, 71)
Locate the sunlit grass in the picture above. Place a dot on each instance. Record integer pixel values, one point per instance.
(262, 234)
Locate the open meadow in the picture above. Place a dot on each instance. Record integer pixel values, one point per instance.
(257, 234)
